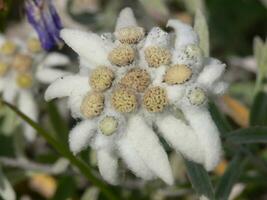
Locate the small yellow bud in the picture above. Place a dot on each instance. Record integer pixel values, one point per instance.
(130, 35)
(155, 99)
(34, 45)
(22, 63)
(101, 78)
(123, 100)
(157, 56)
(108, 125)
(92, 104)
(177, 74)
(136, 79)
(3, 68)
(8, 48)
(24, 80)
(122, 55)
(197, 96)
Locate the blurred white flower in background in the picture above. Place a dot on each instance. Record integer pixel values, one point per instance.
(128, 87)
(23, 66)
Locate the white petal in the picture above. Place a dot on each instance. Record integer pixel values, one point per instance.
(209, 136)
(55, 59)
(107, 163)
(181, 137)
(210, 74)
(29, 132)
(219, 88)
(47, 76)
(147, 145)
(67, 86)
(185, 34)
(88, 45)
(10, 91)
(133, 161)
(126, 18)
(74, 103)
(81, 134)
(157, 37)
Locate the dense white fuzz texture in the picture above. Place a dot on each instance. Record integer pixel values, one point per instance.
(48, 75)
(133, 160)
(147, 145)
(27, 105)
(208, 134)
(126, 18)
(157, 37)
(88, 45)
(67, 86)
(210, 74)
(107, 163)
(81, 134)
(219, 88)
(181, 137)
(185, 34)
(175, 93)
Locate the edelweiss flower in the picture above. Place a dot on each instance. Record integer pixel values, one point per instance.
(128, 86)
(22, 66)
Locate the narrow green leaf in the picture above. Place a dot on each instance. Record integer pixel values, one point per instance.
(257, 134)
(58, 123)
(66, 188)
(258, 113)
(201, 28)
(199, 179)
(229, 178)
(219, 119)
(81, 165)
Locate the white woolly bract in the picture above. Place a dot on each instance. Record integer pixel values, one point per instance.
(67, 86)
(219, 88)
(208, 134)
(147, 145)
(157, 37)
(74, 104)
(80, 135)
(126, 18)
(133, 161)
(27, 105)
(210, 74)
(48, 75)
(107, 163)
(55, 59)
(88, 45)
(181, 137)
(185, 34)
(10, 92)
(175, 93)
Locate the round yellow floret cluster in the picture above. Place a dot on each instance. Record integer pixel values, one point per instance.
(22, 63)
(196, 96)
(8, 48)
(157, 56)
(108, 125)
(130, 35)
(24, 80)
(92, 104)
(122, 55)
(136, 79)
(155, 99)
(101, 78)
(177, 74)
(123, 100)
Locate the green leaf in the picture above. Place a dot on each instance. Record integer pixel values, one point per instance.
(229, 178)
(66, 188)
(219, 119)
(58, 123)
(199, 179)
(201, 28)
(258, 113)
(81, 165)
(257, 134)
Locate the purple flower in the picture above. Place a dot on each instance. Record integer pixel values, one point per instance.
(43, 16)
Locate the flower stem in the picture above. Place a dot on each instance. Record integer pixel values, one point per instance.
(81, 165)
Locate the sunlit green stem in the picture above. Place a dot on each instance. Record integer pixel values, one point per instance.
(81, 165)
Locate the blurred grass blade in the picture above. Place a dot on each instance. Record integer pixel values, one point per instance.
(229, 178)
(6, 190)
(258, 113)
(81, 165)
(257, 134)
(201, 28)
(66, 188)
(220, 120)
(58, 123)
(199, 179)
